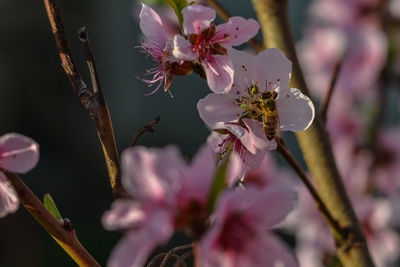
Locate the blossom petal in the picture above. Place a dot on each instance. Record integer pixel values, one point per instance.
(238, 29)
(216, 109)
(197, 18)
(273, 66)
(152, 26)
(253, 203)
(199, 177)
(257, 136)
(254, 161)
(266, 200)
(296, 110)
(243, 249)
(243, 66)
(183, 49)
(219, 72)
(270, 251)
(18, 153)
(152, 175)
(136, 246)
(124, 214)
(8, 198)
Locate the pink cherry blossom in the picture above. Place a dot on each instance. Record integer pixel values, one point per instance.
(315, 242)
(242, 113)
(159, 46)
(166, 193)
(19, 154)
(347, 31)
(207, 44)
(238, 235)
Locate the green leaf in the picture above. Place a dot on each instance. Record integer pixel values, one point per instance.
(219, 184)
(178, 5)
(154, 2)
(51, 206)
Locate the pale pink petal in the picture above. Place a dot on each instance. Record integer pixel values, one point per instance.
(238, 29)
(124, 214)
(219, 72)
(8, 198)
(257, 137)
(236, 169)
(199, 177)
(136, 246)
(254, 161)
(243, 63)
(152, 26)
(270, 251)
(253, 204)
(237, 236)
(18, 153)
(296, 111)
(152, 175)
(197, 18)
(183, 49)
(216, 109)
(272, 65)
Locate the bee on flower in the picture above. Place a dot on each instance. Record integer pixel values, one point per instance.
(260, 104)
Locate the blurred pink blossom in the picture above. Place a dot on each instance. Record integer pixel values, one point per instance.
(167, 194)
(348, 29)
(18, 154)
(238, 235)
(315, 242)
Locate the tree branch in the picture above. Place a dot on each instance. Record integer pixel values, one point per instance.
(62, 235)
(328, 96)
(148, 127)
(92, 100)
(314, 142)
(338, 232)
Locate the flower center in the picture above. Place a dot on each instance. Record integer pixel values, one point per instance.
(231, 142)
(205, 44)
(235, 234)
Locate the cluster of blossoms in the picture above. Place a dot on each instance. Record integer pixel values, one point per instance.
(249, 105)
(232, 194)
(169, 195)
(251, 101)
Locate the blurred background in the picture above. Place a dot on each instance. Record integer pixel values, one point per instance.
(37, 100)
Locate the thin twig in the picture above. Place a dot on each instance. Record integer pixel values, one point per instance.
(65, 238)
(173, 251)
(338, 231)
(92, 100)
(148, 127)
(225, 16)
(160, 257)
(181, 260)
(328, 96)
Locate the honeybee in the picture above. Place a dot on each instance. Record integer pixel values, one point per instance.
(270, 118)
(262, 109)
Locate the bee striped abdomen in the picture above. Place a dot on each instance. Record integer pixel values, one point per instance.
(271, 119)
